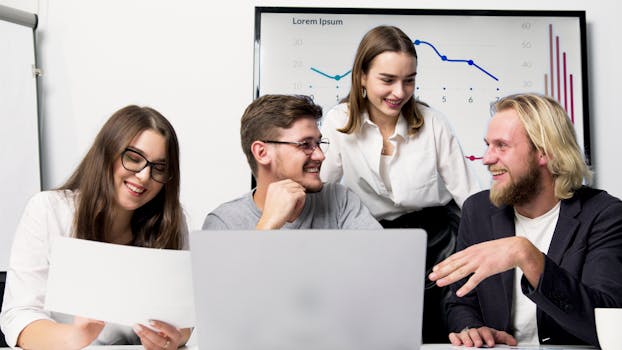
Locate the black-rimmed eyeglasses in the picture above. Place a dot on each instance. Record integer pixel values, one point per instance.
(307, 146)
(136, 162)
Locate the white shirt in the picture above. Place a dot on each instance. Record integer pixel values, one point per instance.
(385, 172)
(427, 169)
(47, 215)
(539, 231)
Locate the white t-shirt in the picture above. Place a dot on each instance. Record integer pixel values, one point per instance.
(428, 169)
(539, 231)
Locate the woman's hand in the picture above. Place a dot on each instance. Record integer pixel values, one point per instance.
(161, 335)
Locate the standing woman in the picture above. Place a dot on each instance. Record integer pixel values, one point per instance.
(399, 155)
(125, 191)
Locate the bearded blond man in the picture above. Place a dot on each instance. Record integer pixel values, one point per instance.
(539, 250)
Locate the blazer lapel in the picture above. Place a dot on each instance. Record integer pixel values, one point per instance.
(565, 229)
(503, 223)
(503, 226)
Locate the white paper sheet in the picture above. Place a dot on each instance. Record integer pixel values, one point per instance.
(120, 284)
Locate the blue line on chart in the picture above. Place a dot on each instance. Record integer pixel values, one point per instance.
(444, 58)
(336, 77)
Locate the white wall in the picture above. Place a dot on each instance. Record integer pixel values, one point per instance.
(19, 130)
(24, 5)
(192, 60)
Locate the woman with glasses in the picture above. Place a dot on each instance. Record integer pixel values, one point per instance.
(125, 191)
(399, 155)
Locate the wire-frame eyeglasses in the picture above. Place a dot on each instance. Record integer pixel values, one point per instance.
(307, 146)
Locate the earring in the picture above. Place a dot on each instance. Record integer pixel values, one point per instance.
(364, 92)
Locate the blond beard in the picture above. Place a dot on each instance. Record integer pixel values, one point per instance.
(519, 191)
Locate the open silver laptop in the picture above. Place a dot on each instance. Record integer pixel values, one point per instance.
(309, 289)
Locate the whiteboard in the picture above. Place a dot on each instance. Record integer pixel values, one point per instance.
(467, 59)
(19, 132)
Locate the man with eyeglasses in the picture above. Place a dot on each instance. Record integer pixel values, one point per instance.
(285, 150)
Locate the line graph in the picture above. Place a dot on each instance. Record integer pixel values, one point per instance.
(336, 77)
(417, 42)
(444, 58)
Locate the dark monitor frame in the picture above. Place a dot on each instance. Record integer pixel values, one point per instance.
(580, 15)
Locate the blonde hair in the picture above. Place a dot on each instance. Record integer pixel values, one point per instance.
(551, 132)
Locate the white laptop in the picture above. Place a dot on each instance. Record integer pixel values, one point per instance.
(309, 289)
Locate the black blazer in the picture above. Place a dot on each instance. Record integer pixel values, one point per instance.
(582, 270)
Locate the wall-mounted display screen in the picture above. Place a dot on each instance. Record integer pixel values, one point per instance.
(467, 59)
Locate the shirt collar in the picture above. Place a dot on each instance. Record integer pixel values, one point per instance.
(401, 129)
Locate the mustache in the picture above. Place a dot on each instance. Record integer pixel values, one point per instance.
(492, 168)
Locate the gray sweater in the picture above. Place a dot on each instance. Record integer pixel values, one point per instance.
(334, 207)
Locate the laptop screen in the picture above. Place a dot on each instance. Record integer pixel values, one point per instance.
(309, 289)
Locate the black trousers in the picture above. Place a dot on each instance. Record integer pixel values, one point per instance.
(441, 224)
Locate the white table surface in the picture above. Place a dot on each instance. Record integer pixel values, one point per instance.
(423, 347)
(526, 347)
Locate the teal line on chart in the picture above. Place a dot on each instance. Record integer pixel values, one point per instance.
(444, 58)
(336, 77)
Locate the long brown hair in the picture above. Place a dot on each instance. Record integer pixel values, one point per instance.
(158, 223)
(379, 40)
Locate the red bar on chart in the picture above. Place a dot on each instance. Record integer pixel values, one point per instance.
(551, 54)
(565, 88)
(559, 95)
(571, 101)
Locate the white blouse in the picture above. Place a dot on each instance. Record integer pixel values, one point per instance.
(427, 169)
(47, 215)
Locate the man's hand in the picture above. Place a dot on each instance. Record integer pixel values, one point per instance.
(478, 337)
(489, 258)
(284, 202)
